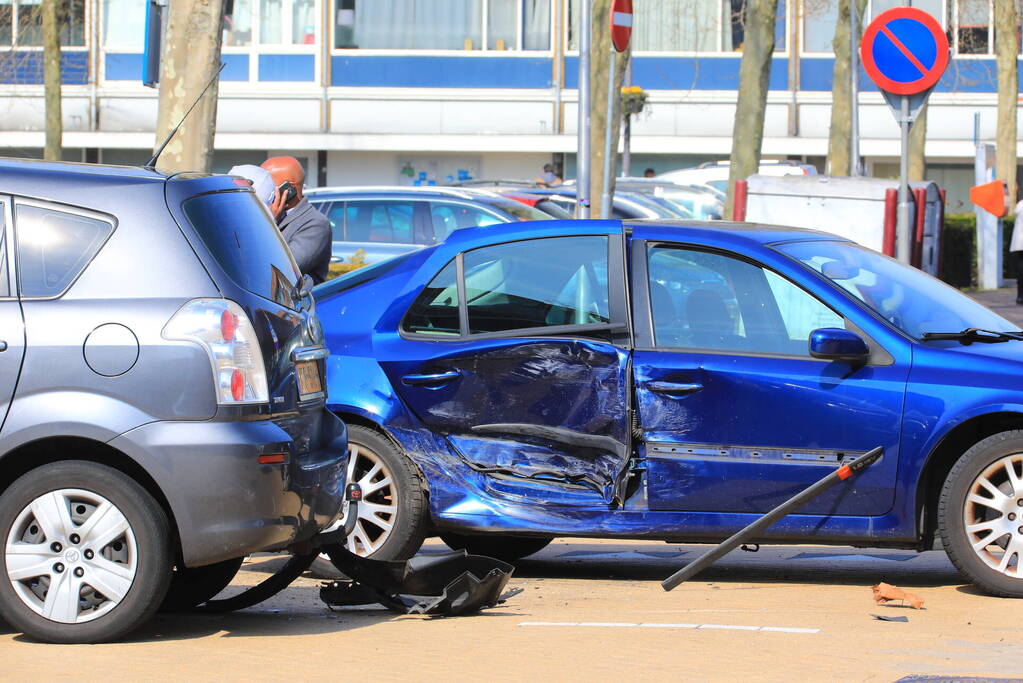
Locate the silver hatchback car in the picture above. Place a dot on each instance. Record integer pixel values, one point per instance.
(161, 395)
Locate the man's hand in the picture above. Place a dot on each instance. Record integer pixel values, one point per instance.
(277, 205)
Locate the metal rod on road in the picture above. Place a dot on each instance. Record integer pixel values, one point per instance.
(903, 243)
(609, 151)
(582, 159)
(789, 506)
(855, 166)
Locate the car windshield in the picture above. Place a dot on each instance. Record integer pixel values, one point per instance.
(908, 298)
(241, 236)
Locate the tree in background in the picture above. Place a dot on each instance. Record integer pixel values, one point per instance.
(191, 56)
(839, 146)
(754, 75)
(600, 62)
(917, 141)
(1006, 51)
(51, 79)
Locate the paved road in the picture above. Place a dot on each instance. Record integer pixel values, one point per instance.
(590, 611)
(1001, 301)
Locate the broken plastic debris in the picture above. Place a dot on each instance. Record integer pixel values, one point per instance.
(884, 618)
(885, 593)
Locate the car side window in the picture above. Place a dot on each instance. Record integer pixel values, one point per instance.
(54, 247)
(537, 283)
(435, 311)
(382, 220)
(335, 212)
(5, 284)
(709, 301)
(447, 217)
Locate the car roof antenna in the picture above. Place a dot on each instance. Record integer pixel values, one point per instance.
(151, 164)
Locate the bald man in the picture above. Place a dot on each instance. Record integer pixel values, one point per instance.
(306, 230)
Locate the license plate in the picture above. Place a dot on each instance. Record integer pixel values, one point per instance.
(308, 373)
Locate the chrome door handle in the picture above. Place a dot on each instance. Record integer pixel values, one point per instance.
(3, 346)
(674, 387)
(431, 379)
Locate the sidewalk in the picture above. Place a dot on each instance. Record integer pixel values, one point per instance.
(1001, 301)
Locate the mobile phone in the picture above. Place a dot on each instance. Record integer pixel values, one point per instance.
(288, 190)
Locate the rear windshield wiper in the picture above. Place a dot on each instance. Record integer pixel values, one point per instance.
(975, 334)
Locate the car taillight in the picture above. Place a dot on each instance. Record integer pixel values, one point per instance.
(225, 331)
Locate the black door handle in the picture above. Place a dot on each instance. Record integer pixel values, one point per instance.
(674, 387)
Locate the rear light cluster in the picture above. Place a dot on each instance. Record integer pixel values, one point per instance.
(222, 328)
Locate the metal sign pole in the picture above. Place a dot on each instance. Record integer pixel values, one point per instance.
(855, 165)
(903, 243)
(605, 198)
(582, 188)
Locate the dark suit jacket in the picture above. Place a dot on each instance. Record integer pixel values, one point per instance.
(307, 232)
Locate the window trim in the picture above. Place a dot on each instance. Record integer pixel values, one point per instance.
(618, 307)
(643, 318)
(59, 208)
(8, 246)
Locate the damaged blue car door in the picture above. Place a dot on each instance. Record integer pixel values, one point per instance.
(516, 354)
(736, 413)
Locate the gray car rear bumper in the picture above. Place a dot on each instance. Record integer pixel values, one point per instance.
(225, 504)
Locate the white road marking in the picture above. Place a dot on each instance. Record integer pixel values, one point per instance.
(723, 627)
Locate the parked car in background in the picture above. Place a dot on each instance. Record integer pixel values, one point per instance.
(715, 173)
(676, 381)
(701, 202)
(625, 205)
(371, 224)
(161, 392)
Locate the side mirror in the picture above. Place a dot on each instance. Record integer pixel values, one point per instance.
(832, 343)
(305, 291)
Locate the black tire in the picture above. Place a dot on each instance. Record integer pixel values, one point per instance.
(507, 548)
(191, 587)
(410, 526)
(147, 523)
(953, 508)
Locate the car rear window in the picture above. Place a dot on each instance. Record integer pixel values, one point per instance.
(241, 236)
(517, 209)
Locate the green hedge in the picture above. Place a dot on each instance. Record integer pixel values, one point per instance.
(958, 265)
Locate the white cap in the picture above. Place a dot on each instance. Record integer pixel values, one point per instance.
(262, 182)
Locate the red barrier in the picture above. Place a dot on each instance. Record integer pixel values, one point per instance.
(739, 204)
(891, 209)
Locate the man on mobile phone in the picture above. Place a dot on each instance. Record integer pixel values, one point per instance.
(306, 230)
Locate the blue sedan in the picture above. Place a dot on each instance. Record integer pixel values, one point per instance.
(673, 381)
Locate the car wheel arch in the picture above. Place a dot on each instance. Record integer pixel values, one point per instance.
(352, 418)
(943, 456)
(33, 454)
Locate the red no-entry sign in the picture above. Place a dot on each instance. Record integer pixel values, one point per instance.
(621, 24)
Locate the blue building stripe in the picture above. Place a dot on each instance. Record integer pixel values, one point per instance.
(294, 68)
(962, 75)
(441, 72)
(127, 66)
(702, 72)
(26, 67)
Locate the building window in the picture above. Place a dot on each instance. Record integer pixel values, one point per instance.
(973, 27)
(443, 24)
(124, 23)
(687, 26)
(820, 17)
(21, 23)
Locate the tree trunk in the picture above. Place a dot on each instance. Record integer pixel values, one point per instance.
(917, 141)
(600, 62)
(754, 74)
(191, 56)
(51, 80)
(839, 148)
(1008, 90)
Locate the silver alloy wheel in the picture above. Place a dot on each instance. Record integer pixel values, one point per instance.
(993, 516)
(71, 556)
(378, 510)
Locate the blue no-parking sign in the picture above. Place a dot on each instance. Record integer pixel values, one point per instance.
(904, 51)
